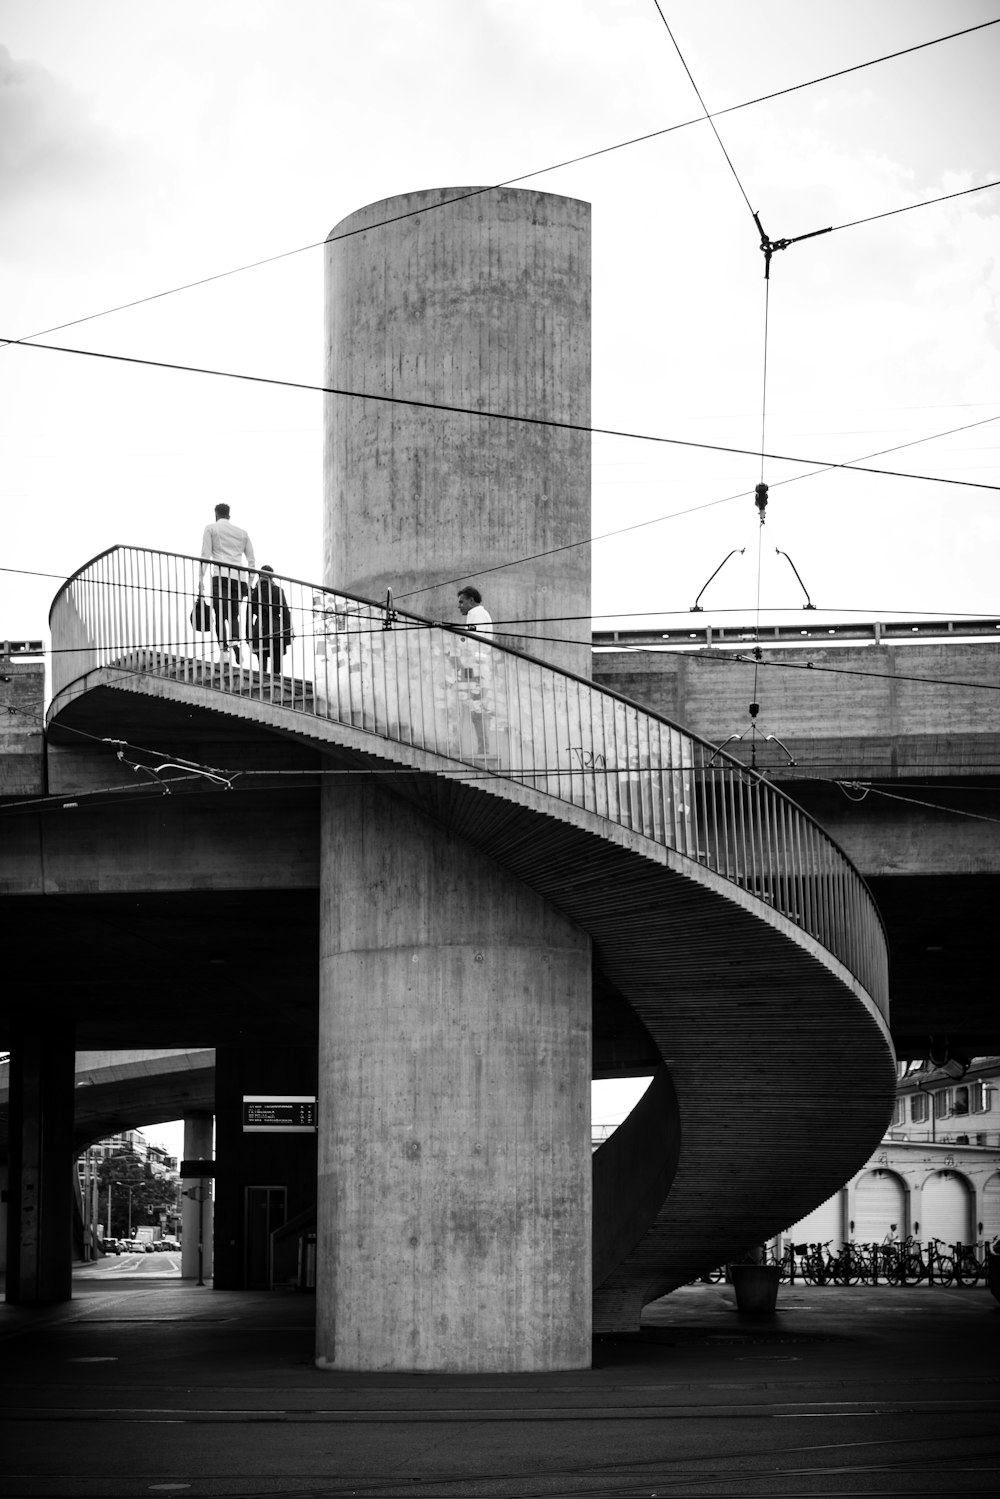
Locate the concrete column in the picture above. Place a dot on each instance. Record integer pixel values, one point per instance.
(478, 300)
(41, 1192)
(198, 1130)
(454, 1227)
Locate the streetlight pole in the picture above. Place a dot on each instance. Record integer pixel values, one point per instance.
(201, 1231)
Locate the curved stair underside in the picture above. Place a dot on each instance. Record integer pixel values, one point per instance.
(740, 936)
(781, 1069)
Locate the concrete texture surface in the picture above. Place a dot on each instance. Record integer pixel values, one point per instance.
(145, 1385)
(482, 305)
(454, 1228)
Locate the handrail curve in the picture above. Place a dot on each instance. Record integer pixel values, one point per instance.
(474, 700)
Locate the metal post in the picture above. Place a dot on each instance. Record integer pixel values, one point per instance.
(201, 1231)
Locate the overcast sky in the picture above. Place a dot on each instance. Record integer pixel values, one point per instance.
(142, 147)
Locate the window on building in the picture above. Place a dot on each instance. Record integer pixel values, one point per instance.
(941, 1103)
(899, 1112)
(960, 1099)
(918, 1108)
(979, 1098)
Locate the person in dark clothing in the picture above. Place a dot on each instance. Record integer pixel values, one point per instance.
(270, 620)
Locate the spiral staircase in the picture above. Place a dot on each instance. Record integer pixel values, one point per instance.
(724, 918)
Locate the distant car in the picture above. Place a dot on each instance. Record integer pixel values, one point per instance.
(170, 1246)
(112, 1246)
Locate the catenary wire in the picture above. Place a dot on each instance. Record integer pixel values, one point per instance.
(505, 416)
(873, 613)
(672, 515)
(659, 519)
(716, 657)
(708, 115)
(510, 181)
(891, 212)
(767, 303)
(916, 801)
(237, 781)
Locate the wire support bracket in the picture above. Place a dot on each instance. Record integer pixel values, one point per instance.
(769, 246)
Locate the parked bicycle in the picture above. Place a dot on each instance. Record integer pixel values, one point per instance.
(969, 1268)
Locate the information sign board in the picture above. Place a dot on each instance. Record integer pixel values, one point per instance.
(197, 1167)
(279, 1113)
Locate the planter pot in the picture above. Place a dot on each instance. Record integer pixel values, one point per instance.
(756, 1288)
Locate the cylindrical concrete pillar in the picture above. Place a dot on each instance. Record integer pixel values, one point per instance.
(40, 1196)
(197, 1212)
(476, 299)
(454, 1115)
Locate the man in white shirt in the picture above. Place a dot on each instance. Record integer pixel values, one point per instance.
(225, 546)
(474, 669)
(470, 603)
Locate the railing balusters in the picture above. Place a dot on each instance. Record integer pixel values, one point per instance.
(466, 698)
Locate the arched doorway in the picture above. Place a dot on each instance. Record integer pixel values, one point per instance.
(991, 1208)
(879, 1205)
(947, 1208)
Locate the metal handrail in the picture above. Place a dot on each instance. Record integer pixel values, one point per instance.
(470, 699)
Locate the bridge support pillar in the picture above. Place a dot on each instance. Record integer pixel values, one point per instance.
(40, 1194)
(197, 1214)
(454, 1109)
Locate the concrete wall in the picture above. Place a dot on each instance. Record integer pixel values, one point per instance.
(22, 748)
(854, 711)
(483, 303)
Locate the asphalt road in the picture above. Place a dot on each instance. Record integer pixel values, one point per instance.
(145, 1385)
(129, 1266)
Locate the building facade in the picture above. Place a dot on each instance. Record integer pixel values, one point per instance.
(936, 1174)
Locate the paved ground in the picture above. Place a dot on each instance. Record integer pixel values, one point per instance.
(147, 1385)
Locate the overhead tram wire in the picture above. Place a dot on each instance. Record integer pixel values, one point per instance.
(523, 177)
(707, 112)
(515, 629)
(761, 490)
(720, 655)
(659, 520)
(656, 520)
(925, 615)
(505, 416)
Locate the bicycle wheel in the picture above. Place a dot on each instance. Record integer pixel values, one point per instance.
(848, 1269)
(944, 1269)
(891, 1267)
(967, 1269)
(912, 1270)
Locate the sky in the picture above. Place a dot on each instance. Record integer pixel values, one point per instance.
(144, 147)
